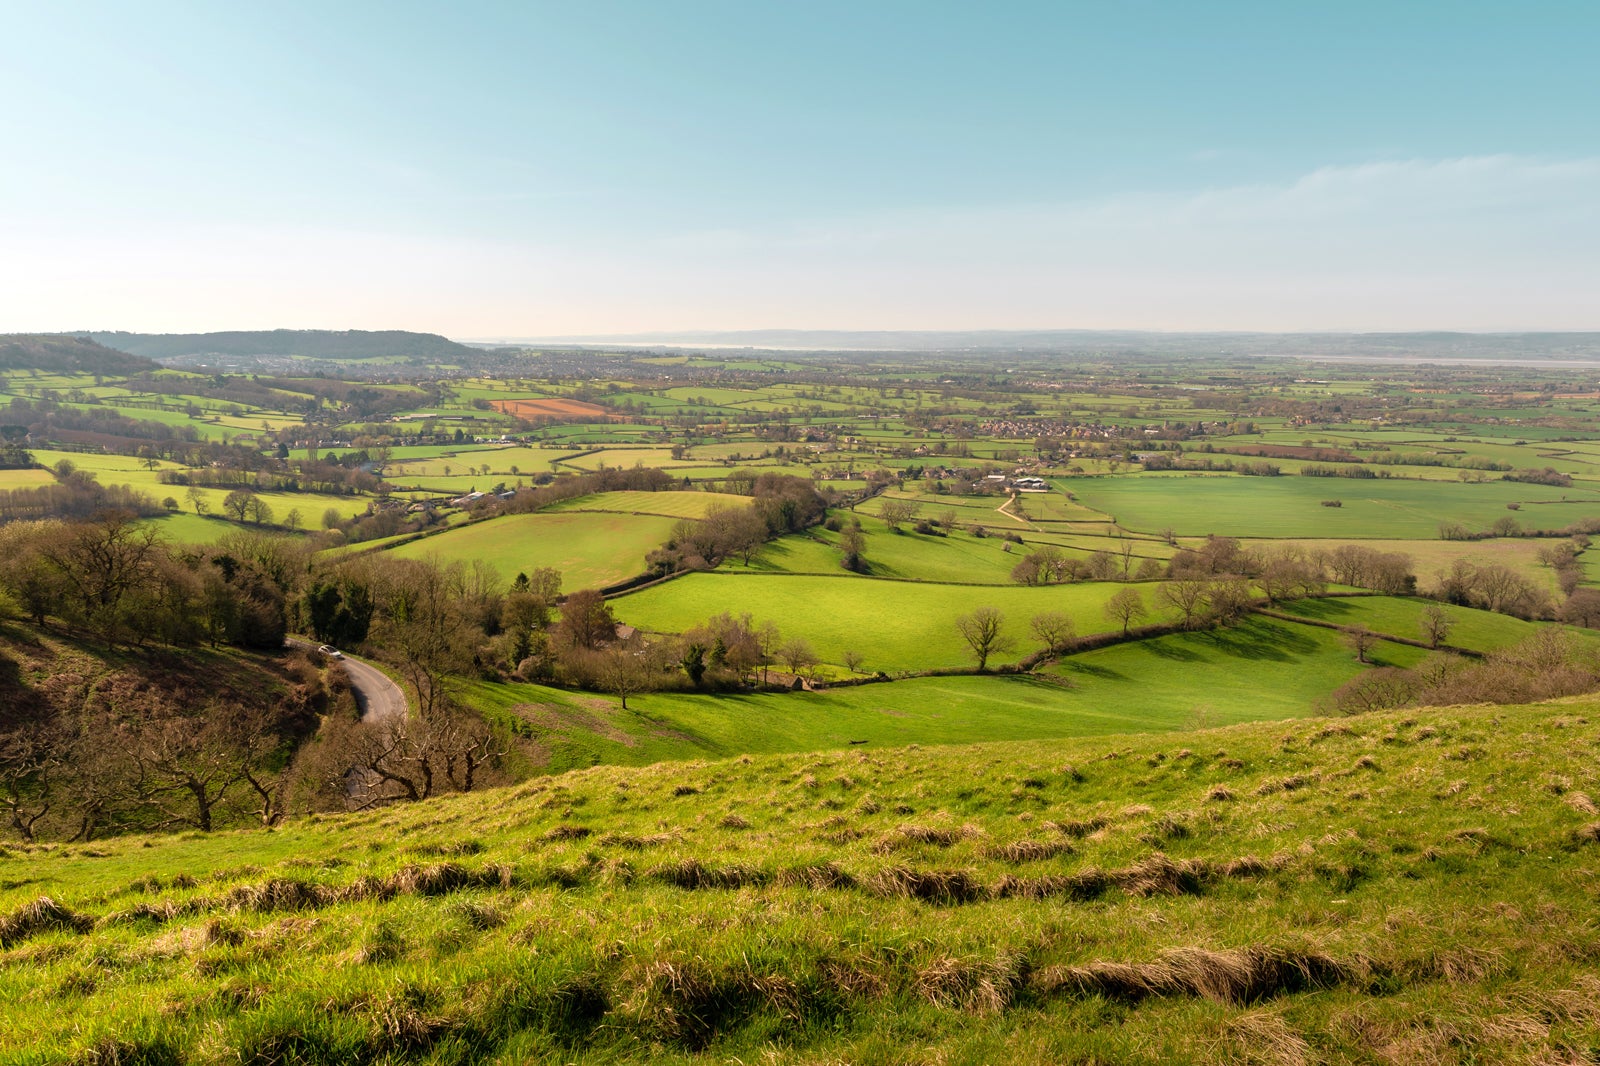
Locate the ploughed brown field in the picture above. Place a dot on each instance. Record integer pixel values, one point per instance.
(548, 408)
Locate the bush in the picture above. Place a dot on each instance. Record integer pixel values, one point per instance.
(1333, 503)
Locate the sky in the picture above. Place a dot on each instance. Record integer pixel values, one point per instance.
(495, 170)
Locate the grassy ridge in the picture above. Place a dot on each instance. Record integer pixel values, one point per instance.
(1403, 887)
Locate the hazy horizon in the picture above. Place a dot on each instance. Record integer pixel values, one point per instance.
(544, 170)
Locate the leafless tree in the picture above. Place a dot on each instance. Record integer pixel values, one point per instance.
(1360, 640)
(1435, 625)
(1188, 597)
(1126, 606)
(897, 512)
(982, 629)
(1053, 628)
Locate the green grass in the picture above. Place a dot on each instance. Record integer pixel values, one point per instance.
(1260, 669)
(1400, 887)
(1291, 507)
(895, 625)
(590, 549)
(906, 555)
(670, 504)
(1473, 630)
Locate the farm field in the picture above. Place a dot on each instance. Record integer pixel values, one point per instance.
(670, 504)
(590, 549)
(1430, 558)
(1290, 506)
(894, 625)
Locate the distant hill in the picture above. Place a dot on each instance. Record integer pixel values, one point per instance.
(66, 355)
(1351, 346)
(315, 344)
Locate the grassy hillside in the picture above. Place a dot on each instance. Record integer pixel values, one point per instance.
(1394, 888)
(66, 355)
(311, 343)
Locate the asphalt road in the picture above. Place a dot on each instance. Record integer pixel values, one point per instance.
(381, 700)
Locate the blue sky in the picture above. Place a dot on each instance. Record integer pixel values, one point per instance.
(538, 169)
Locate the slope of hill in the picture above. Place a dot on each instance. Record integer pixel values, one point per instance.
(315, 344)
(66, 355)
(1407, 887)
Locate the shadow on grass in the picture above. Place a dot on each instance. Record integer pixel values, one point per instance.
(1322, 610)
(1257, 641)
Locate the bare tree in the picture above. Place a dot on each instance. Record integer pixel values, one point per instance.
(1229, 598)
(853, 660)
(1188, 597)
(982, 629)
(197, 499)
(798, 655)
(1360, 640)
(1053, 628)
(896, 512)
(623, 672)
(1435, 625)
(1126, 606)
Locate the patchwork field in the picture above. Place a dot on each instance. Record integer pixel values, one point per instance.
(590, 549)
(545, 407)
(1291, 506)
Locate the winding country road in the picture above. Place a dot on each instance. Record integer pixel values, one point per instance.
(382, 702)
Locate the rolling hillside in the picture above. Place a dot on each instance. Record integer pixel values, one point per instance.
(1408, 887)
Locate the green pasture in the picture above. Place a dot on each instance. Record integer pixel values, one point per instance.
(1431, 558)
(1401, 617)
(1260, 669)
(591, 549)
(685, 504)
(894, 625)
(1291, 506)
(626, 458)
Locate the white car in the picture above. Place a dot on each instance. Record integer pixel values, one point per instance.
(331, 652)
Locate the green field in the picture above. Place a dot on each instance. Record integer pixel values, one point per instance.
(1239, 895)
(895, 625)
(590, 549)
(669, 504)
(1291, 506)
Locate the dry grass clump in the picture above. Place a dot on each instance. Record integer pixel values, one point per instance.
(734, 821)
(566, 832)
(932, 886)
(1156, 876)
(278, 894)
(693, 874)
(635, 843)
(1220, 794)
(816, 876)
(43, 915)
(158, 913)
(1580, 802)
(1292, 783)
(1240, 976)
(1028, 850)
(1077, 829)
(980, 986)
(906, 836)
